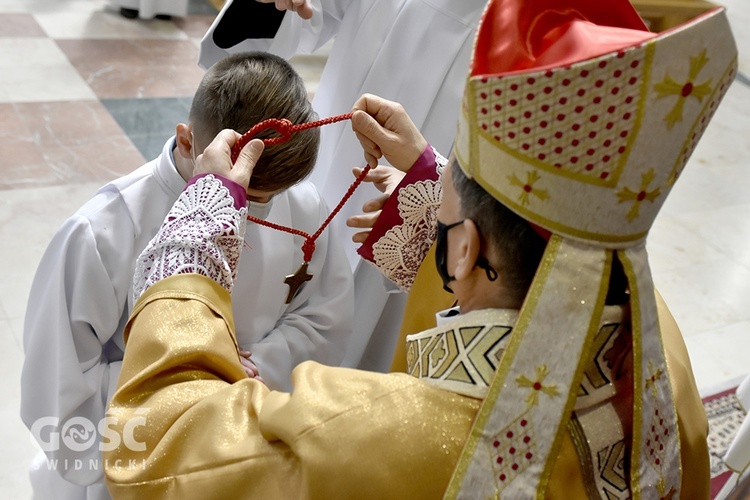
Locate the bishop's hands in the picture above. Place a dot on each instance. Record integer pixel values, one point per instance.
(386, 179)
(301, 7)
(384, 129)
(217, 158)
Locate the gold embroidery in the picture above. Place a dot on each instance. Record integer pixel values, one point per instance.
(533, 398)
(527, 188)
(611, 466)
(702, 122)
(626, 194)
(464, 354)
(444, 355)
(669, 87)
(599, 375)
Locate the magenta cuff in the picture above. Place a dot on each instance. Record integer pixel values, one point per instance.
(423, 168)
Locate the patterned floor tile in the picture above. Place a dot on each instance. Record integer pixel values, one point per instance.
(117, 69)
(36, 70)
(46, 6)
(106, 24)
(19, 26)
(149, 122)
(62, 143)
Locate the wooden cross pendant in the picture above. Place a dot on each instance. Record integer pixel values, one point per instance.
(296, 280)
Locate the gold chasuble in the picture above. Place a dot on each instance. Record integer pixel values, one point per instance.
(207, 431)
(571, 476)
(210, 432)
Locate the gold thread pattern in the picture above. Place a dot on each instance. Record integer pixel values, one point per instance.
(537, 385)
(527, 188)
(467, 354)
(702, 121)
(627, 194)
(669, 87)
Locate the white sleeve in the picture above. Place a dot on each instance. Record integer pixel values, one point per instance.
(318, 323)
(74, 309)
(293, 36)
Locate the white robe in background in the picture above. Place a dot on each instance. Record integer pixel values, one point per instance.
(147, 9)
(415, 52)
(82, 295)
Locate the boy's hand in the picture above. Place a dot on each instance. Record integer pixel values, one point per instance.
(301, 7)
(386, 179)
(384, 129)
(249, 366)
(217, 158)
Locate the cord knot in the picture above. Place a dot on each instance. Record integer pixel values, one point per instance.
(308, 248)
(281, 126)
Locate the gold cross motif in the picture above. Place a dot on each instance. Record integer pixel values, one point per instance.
(527, 188)
(296, 280)
(537, 386)
(669, 87)
(626, 194)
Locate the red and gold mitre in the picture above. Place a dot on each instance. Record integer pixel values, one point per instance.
(580, 120)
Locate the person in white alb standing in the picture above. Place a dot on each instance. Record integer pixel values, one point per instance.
(415, 52)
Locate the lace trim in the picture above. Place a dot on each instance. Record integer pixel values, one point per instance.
(440, 162)
(203, 233)
(400, 251)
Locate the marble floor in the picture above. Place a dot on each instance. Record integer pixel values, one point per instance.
(86, 95)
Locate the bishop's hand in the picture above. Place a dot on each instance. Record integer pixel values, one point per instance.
(386, 179)
(384, 129)
(217, 158)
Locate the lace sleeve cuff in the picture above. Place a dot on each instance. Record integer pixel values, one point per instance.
(203, 233)
(405, 230)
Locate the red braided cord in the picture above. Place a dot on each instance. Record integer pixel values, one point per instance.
(321, 122)
(308, 247)
(284, 128)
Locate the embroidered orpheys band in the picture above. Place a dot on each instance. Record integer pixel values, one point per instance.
(285, 129)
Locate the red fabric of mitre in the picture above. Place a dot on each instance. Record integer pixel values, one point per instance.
(516, 36)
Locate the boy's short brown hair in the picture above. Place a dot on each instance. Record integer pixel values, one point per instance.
(244, 89)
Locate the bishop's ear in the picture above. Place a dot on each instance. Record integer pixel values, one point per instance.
(469, 250)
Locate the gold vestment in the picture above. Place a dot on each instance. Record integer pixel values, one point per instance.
(210, 432)
(427, 297)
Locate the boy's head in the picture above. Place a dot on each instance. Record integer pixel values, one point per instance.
(244, 89)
